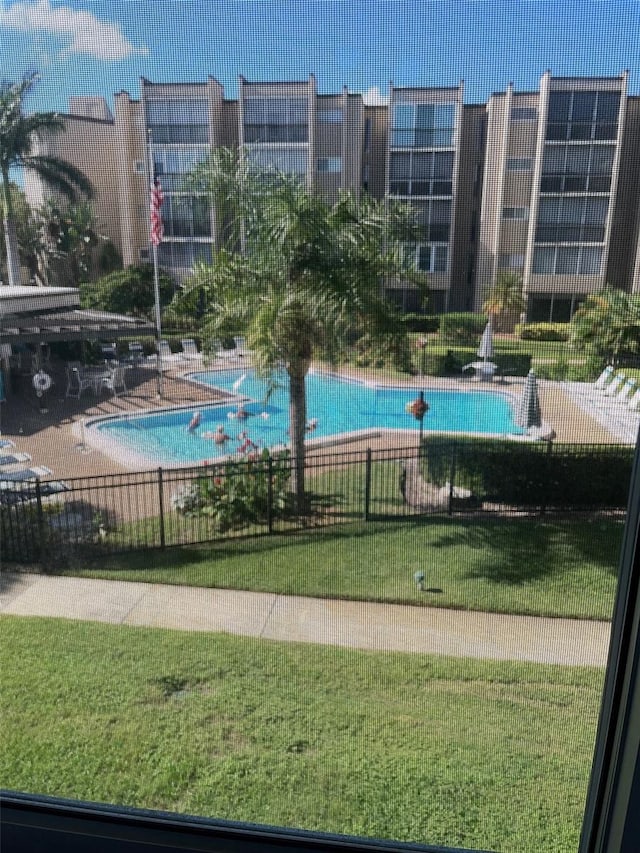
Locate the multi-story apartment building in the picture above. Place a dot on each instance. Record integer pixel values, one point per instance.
(552, 165)
(543, 184)
(89, 142)
(422, 164)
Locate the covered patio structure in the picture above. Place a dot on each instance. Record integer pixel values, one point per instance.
(33, 317)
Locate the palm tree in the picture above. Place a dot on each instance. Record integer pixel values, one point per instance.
(504, 297)
(18, 137)
(307, 273)
(607, 325)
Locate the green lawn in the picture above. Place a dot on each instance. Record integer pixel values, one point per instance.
(466, 753)
(533, 566)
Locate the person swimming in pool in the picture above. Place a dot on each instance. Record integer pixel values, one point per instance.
(312, 424)
(194, 423)
(241, 412)
(220, 435)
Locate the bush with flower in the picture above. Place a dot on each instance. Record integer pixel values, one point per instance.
(237, 493)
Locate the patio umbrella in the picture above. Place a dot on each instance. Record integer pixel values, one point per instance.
(528, 410)
(485, 350)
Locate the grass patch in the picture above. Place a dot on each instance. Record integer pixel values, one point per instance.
(529, 566)
(412, 747)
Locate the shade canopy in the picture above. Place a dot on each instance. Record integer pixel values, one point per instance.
(528, 410)
(485, 350)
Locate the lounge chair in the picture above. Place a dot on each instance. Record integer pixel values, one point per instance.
(224, 353)
(6, 442)
(615, 385)
(8, 479)
(241, 346)
(167, 358)
(626, 392)
(190, 349)
(633, 402)
(19, 486)
(605, 377)
(13, 459)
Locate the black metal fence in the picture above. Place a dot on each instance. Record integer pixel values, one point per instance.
(164, 507)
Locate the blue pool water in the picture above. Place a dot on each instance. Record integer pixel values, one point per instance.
(339, 405)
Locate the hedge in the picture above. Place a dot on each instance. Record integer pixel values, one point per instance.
(532, 474)
(425, 324)
(543, 331)
(452, 362)
(461, 328)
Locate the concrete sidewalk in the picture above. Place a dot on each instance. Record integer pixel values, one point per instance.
(361, 625)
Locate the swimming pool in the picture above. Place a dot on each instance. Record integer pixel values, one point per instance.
(339, 405)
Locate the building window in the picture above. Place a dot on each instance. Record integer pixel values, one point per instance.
(427, 258)
(332, 116)
(423, 125)
(572, 219)
(268, 120)
(186, 216)
(178, 121)
(524, 114)
(413, 173)
(582, 115)
(433, 219)
(567, 260)
(519, 164)
(290, 161)
(330, 164)
(515, 212)
(172, 164)
(183, 254)
(511, 261)
(577, 168)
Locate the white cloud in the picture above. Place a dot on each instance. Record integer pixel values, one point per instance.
(85, 33)
(373, 97)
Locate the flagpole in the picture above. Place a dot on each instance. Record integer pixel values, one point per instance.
(156, 282)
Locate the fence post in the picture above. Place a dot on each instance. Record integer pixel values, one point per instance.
(367, 485)
(452, 475)
(161, 505)
(41, 549)
(269, 494)
(543, 507)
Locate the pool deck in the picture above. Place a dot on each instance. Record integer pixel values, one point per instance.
(52, 438)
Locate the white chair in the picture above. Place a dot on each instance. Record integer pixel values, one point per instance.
(241, 346)
(190, 350)
(605, 377)
(615, 385)
(136, 352)
(8, 478)
(115, 380)
(77, 382)
(6, 442)
(109, 352)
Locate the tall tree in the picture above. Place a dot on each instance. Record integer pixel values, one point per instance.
(307, 273)
(18, 137)
(504, 297)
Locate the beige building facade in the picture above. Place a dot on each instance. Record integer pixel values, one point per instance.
(543, 184)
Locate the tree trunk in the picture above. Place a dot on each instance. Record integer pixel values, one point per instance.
(297, 425)
(10, 237)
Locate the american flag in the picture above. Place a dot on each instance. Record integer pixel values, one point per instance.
(157, 198)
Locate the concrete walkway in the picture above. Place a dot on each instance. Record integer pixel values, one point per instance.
(361, 625)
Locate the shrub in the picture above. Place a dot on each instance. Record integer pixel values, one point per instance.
(235, 494)
(425, 324)
(531, 474)
(461, 328)
(543, 331)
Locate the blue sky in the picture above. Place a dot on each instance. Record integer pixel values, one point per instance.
(103, 47)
